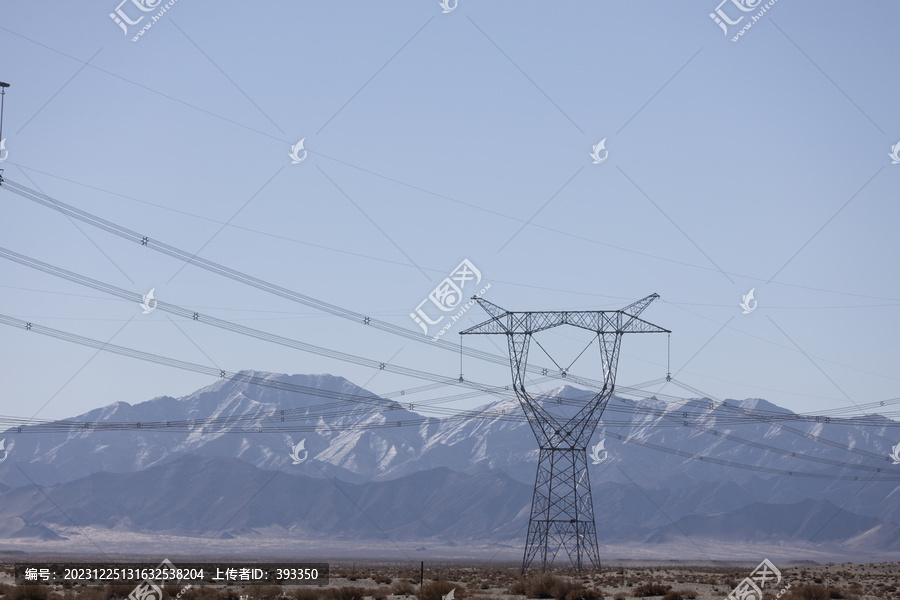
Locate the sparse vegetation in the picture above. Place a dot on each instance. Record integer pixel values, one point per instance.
(345, 593)
(546, 585)
(651, 589)
(517, 587)
(562, 588)
(808, 592)
(541, 586)
(857, 582)
(437, 590)
(582, 593)
(402, 587)
(28, 592)
(380, 593)
(118, 590)
(259, 592)
(815, 592)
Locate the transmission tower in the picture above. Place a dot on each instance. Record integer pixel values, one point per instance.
(562, 511)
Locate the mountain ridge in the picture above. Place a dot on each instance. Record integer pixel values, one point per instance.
(214, 498)
(357, 443)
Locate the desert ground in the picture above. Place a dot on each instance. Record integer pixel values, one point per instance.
(625, 580)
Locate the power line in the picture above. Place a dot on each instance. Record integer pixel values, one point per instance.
(756, 416)
(187, 257)
(318, 412)
(757, 468)
(300, 345)
(246, 279)
(818, 419)
(381, 401)
(229, 326)
(718, 432)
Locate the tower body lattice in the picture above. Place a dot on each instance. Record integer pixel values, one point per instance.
(562, 511)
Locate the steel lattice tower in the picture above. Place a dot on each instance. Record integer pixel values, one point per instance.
(562, 511)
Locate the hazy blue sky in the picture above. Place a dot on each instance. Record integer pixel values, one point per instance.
(432, 138)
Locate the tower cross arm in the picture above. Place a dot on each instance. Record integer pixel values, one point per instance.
(635, 325)
(496, 324)
(598, 321)
(636, 308)
(491, 326)
(624, 320)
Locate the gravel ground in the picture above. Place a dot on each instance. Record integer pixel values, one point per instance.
(488, 582)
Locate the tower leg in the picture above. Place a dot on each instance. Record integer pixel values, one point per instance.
(562, 511)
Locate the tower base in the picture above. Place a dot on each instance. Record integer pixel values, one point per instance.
(562, 512)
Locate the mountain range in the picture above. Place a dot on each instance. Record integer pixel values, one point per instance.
(722, 484)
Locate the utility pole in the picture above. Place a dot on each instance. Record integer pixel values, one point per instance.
(562, 511)
(3, 150)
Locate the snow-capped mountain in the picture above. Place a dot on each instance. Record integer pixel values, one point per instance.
(697, 458)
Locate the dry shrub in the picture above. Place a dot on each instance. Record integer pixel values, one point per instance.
(546, 585)
(202, 592)
(346, 592)
(809, 592)
(517, 587)
(305, 593)
(562, 589)
(118, 590)
(584, 594)
(256, 592)
(380, 593)
(541, 586)
(27, 591)
(651, 589)
(402, 587)
(437, 590)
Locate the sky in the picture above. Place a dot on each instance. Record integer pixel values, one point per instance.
(434, 134)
